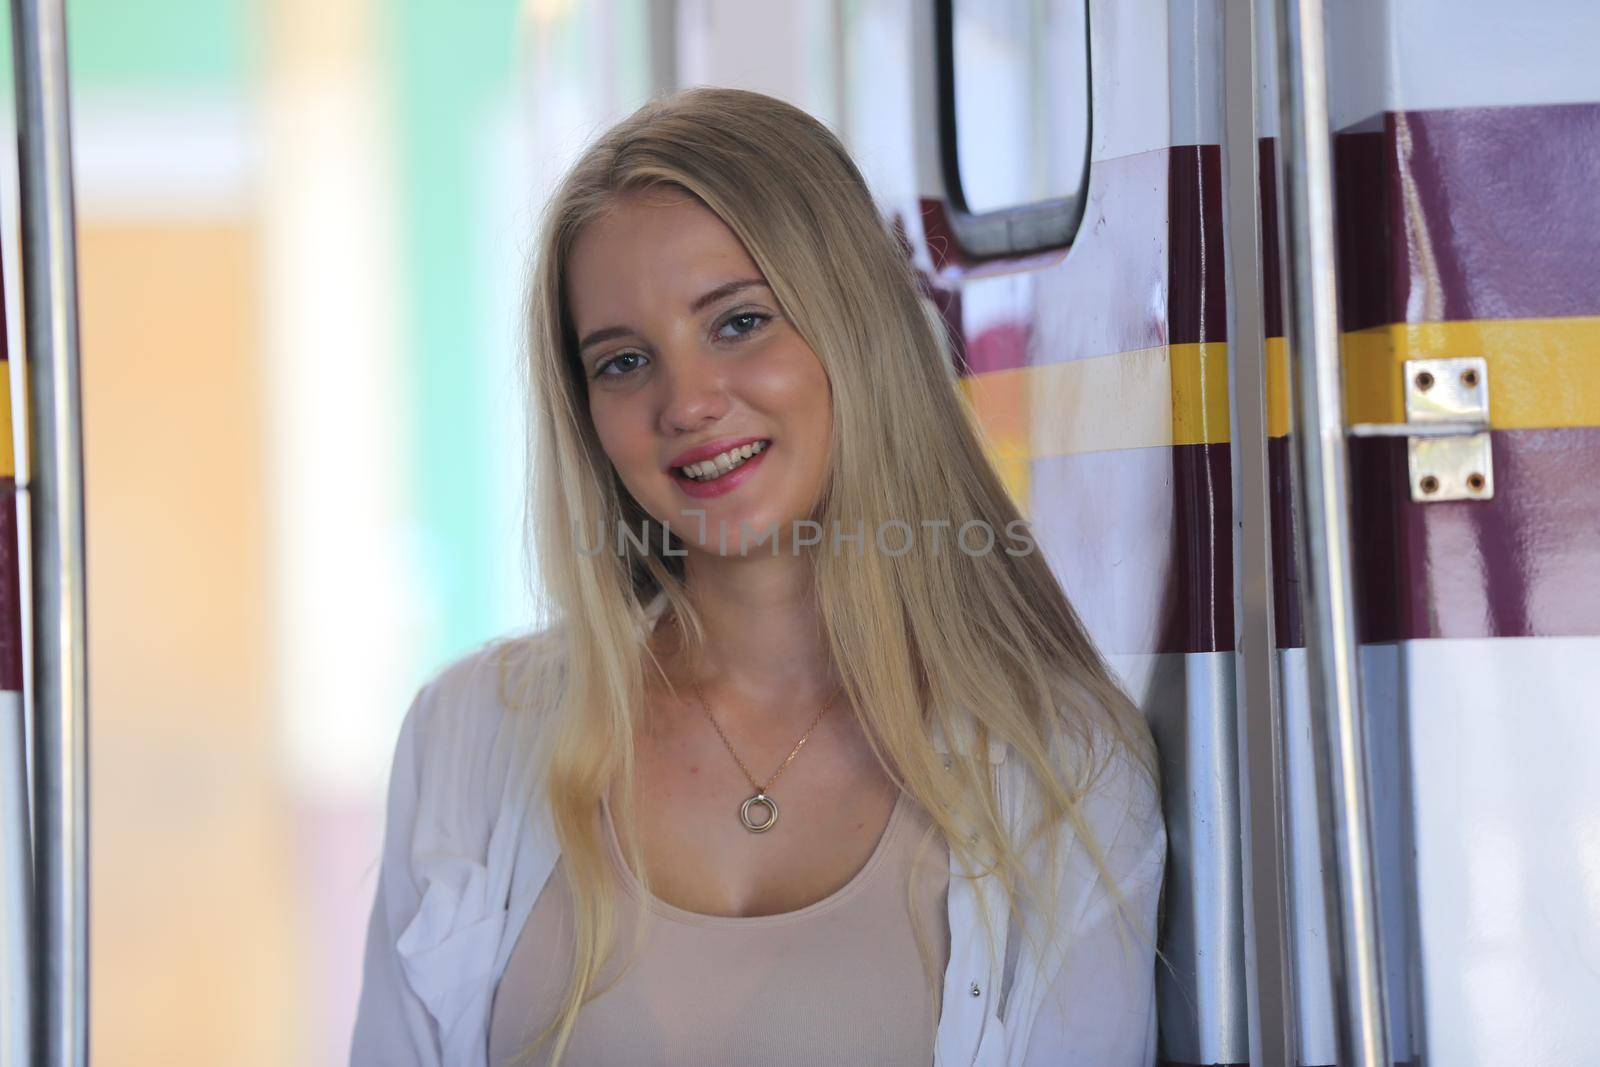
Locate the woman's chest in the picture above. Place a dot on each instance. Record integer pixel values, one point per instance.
(855, 977)
(756, 836)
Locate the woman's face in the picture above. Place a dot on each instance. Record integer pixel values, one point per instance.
(686, 356)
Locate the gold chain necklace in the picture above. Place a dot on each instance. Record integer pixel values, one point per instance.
(761, 798)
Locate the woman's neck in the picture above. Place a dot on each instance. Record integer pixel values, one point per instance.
(765, 651)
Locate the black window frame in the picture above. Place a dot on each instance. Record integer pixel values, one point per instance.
(1025, 229)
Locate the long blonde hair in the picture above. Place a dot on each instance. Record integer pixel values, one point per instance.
(983, 645)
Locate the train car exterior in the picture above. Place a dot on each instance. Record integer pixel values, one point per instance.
(1100, 329)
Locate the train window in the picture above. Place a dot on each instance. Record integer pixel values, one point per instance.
(1014, 118)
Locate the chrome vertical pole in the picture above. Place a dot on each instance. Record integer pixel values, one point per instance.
(1312, 320)
(1263, 801)
(55, 446)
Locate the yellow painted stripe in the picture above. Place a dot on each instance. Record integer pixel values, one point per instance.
(1543, 373)
(8, 455)
(1152, 397)
(1277, 387)
(1199, 393)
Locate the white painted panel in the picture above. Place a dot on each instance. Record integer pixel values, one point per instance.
(1402, 55)
(1129, 62)
(1266, 69)
(1505, 758)
(1195, 53)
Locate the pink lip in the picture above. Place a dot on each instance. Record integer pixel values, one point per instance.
(711, 450)
(725, 484)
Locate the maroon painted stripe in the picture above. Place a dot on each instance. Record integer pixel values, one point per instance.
(1521, 565)
(10, 589)
(1470, 213)
(1288, 620)
(1196, 283)
(1185, 1063)
(1199, 612)
(1271, 254)
(1363, 225)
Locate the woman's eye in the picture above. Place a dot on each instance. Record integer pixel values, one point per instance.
(604, 369)
(742, 324)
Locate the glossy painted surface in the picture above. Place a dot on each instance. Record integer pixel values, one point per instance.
(1197, 278)
(1526, 563)
(1471, 232)
(1471, 214)
(1288, 624)
(11, 676)
(1542, 373)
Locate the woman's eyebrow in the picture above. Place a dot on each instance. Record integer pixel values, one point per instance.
(607, 333)
(726, 289)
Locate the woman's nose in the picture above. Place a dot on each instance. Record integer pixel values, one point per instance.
(695, 393)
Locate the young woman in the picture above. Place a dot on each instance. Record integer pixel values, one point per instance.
(818, 765)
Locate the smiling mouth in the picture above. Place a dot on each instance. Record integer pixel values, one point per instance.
(723, 463)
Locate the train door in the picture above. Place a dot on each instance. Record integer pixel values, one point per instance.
(1093, 195)
(1465, 159)
(1063, 199)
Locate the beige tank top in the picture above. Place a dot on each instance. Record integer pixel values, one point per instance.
(837, 982)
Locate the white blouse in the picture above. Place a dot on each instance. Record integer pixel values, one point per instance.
(469, 844)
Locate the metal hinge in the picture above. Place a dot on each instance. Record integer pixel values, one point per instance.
(1447, 429)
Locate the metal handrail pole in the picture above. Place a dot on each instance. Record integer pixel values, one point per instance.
(1269, 949)
(56, 528)
(1312, 319)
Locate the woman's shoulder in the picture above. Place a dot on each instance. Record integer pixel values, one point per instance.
(449, 850)
(511, 674)
(471, 718)
(1115, 781)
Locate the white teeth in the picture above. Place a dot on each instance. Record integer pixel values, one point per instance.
(723, 462)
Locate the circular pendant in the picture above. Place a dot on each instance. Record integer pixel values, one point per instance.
(772, 813)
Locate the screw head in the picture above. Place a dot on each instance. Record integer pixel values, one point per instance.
(1469, 378)
(1475, 482)
(1425, 381)
(975, 990)
(1429, 484)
